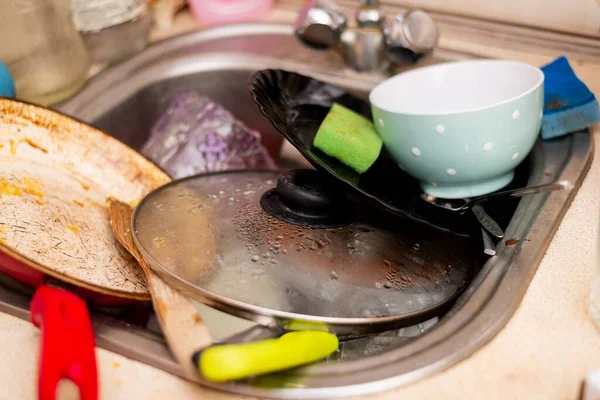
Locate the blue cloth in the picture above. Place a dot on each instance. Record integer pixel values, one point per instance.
(7, 85)
(569, 105)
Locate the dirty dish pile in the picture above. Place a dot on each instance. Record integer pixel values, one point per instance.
(460, 128)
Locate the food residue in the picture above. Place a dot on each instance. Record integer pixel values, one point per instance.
(33, 187)
(9, 189)
(35, 145)
(13, 149)
(1, 145)
(159, 241)
(30, 186)
(80, 204)
(511, 242)
(2, 231)
(84, 186)
(74, 229)
(116, 364)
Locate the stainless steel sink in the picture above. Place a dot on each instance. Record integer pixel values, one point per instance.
(127, 99)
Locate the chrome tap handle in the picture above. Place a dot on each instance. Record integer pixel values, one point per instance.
(409, 36)
(371, 44)
(320, 24)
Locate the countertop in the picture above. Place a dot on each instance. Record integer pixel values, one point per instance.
(543, 352)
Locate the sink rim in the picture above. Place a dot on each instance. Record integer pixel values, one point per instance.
(465, 328)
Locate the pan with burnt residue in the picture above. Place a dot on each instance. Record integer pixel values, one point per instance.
(55, 175)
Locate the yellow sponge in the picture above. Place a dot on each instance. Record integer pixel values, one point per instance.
(348, 137)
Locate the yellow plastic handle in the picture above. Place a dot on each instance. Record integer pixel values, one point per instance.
(223, 363)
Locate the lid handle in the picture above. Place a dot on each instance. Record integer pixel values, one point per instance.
(308, 198)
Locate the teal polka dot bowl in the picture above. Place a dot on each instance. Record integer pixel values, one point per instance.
(460, 128)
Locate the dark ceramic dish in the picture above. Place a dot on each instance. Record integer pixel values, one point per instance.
(296, 105)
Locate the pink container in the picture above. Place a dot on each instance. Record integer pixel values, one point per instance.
(217, 12)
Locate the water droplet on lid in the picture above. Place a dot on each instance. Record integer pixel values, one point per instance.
(378, 285)
(255, 258)
(387, 284)
(221, 192)
(417, 246)
(386, 263)
(333, 275)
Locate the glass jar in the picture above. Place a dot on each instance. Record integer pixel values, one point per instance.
(42, 49)
(112, 30)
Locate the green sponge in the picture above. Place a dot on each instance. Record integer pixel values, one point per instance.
(348, 137)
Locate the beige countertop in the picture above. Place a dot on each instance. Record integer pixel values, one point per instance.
(543, 352)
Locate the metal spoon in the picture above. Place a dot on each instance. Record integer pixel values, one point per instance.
(465, 204)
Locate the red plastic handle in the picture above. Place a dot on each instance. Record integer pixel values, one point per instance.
(67, 350)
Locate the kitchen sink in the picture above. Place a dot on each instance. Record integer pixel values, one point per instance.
(127, 99)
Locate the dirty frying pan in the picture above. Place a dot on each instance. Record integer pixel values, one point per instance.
(55, 175)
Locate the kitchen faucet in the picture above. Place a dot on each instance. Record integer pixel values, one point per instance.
(370, 43)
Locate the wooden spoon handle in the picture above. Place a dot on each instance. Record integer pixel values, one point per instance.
(181, 324)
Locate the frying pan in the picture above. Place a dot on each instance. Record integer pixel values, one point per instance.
(55, 175)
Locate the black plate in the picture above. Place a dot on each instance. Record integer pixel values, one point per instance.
(296, 105)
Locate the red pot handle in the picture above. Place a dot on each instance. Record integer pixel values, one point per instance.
(67, 349)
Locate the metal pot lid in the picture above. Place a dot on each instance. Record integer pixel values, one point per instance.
(209, 236)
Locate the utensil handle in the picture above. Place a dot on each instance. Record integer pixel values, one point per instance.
(67, 348)
(181, 324)
(548, 187)
(487, 222)
(223, 363)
